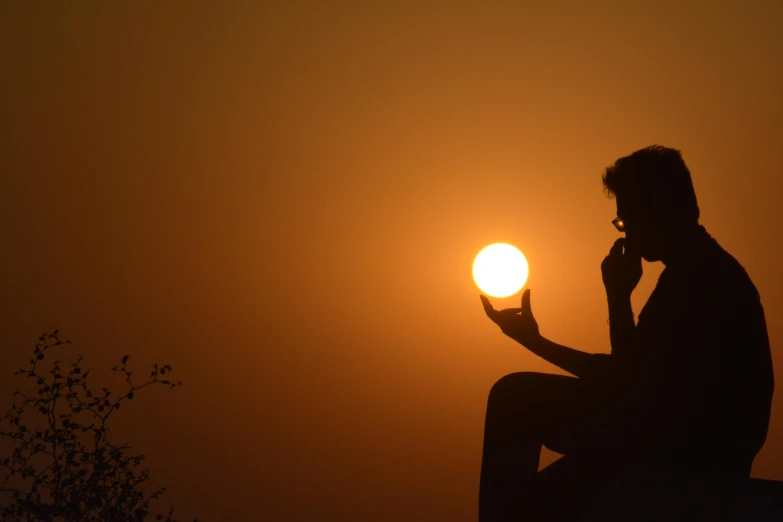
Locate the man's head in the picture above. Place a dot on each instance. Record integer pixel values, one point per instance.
(655, 199)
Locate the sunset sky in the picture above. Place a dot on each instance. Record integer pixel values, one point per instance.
(283, 200)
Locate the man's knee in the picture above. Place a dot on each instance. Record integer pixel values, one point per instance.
(535, 387)
(515, 386)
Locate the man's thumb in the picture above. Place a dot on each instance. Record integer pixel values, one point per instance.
(526, 301)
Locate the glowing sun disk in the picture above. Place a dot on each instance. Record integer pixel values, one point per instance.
(500, 270)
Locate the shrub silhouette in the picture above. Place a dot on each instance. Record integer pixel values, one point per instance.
(63, 467)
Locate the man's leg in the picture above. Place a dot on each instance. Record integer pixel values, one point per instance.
(566, 488)
(524, 411)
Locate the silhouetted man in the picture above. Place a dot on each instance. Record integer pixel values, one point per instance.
(688, 386)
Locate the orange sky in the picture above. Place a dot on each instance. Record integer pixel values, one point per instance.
(283, 200)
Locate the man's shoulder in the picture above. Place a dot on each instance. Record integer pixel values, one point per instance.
(721, 287)
(723, 271)
(711, 281)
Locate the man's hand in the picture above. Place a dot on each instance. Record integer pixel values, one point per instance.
(517, 323)
(621, 271)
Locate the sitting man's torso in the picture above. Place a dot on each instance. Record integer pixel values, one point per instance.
(701, 362)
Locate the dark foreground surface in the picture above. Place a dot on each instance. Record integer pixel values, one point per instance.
(656, 495)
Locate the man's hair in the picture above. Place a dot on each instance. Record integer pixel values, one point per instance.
(657, 178)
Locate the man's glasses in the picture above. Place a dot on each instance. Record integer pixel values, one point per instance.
(618, 224)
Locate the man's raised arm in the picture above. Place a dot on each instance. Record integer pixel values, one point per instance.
(621, 324)
(621, 271)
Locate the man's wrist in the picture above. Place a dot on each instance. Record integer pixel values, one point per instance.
(618, 297)
(533, 343)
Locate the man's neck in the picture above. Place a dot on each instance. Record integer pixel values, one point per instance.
(684, 246)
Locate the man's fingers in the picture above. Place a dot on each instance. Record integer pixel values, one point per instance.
(617, 247)
(496, 315)
(632, 254)
(488, 308)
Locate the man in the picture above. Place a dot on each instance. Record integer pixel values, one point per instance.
(688, 386)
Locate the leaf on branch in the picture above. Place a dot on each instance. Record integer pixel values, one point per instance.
(80, 463)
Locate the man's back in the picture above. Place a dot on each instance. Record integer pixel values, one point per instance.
(701, 362)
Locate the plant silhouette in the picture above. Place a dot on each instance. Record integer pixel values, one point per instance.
(63, 466)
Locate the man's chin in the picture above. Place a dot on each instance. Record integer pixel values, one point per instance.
(646, 253)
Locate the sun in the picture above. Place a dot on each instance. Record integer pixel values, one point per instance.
(500, 270)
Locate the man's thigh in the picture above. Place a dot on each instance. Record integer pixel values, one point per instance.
(574, 415)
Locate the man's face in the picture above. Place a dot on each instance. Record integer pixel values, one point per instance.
(643, 234)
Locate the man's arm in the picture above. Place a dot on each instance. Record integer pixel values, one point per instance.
(621, 271)
(621, 324)
(591, 365)
(584, 365)
(520, 325)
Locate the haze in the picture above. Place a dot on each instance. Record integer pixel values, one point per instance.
(283, 201)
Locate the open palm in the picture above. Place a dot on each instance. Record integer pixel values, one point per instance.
(517, 323)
